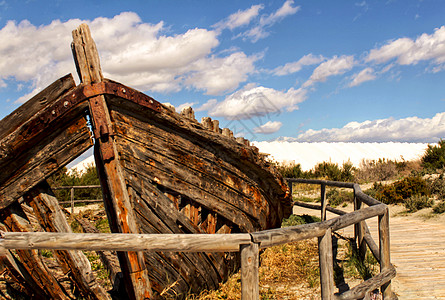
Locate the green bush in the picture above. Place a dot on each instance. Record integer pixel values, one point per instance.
(439, 208)
(332, 171)
(336, 197)
(295, 220)
(417, 202)
(401, 190)
(88, 177)
(291, 171)
(437, 187)
(434, 157)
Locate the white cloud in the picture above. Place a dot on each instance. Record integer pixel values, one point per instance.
(296, 66)
(259, 31)
(254, 101)
(412, 129)
(132, 52)
(269, 127)
(240, 18)
(217, 75)
(334, 66)
(407, 51)
(363, 76)
(208, 105)
(2, 84)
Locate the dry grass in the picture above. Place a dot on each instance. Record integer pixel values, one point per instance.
(287, 271)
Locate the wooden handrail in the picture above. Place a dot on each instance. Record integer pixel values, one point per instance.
(246, 243)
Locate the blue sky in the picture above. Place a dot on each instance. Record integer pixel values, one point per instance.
(309, 71)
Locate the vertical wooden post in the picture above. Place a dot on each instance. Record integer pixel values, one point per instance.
(323, 201)
(326, 265)
(116, 198)
(385, 259)
(359, 230)
(249, 272)
(72, 200)
(290, 184)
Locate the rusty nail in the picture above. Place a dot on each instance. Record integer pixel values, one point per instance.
(66, 103)
(124, 91)
(53, 112)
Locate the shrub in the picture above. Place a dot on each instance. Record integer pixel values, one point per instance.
(376, 170)
(400, 190)
(332, 171)
(434, 157)
(417, 202)
(336, 197)
(295, 220)
(437, 187)
(439, 208)
(291, 171)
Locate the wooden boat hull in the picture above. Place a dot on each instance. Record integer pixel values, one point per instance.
(160, 172)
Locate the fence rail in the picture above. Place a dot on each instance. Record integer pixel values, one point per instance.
(77, 187)
(248, 244)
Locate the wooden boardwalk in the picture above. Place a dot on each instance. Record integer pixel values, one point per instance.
(417, 252)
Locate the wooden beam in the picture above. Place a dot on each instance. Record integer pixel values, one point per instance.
(34, 163)
(31, 107)
(324, 202)
(52, 219)
(360, 291)
(110, 173)
(15, 220)
(385, 260)
(290, 234)
(126, 242)
(249, 272)
(326, 265)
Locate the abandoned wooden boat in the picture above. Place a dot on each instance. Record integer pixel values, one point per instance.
(160, 172)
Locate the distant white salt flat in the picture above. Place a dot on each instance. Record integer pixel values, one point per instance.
(309, 154)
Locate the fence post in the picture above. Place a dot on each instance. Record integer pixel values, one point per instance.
(359, 230)
(323, 201)
(326, 265)
(72, 200)
(385, 259)
(249, 272)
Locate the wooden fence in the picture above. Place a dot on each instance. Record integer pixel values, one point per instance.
(248, 243)
(72, 188)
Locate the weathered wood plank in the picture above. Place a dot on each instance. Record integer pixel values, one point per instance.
(369, 285)
(237, 156)
(185, 184)
(52, 219)
(15, 220)
(53, 152)
(170, 155)
(272, 237)
(159, 221)
(31, 107)
(385, 260)
(324, 203)
(249, 271)
(88, 66)
(109, 259)
(126, 241)
(326, 265)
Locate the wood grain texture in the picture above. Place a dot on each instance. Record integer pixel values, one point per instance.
(52, 219)
(249, 271)
(326, 265)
